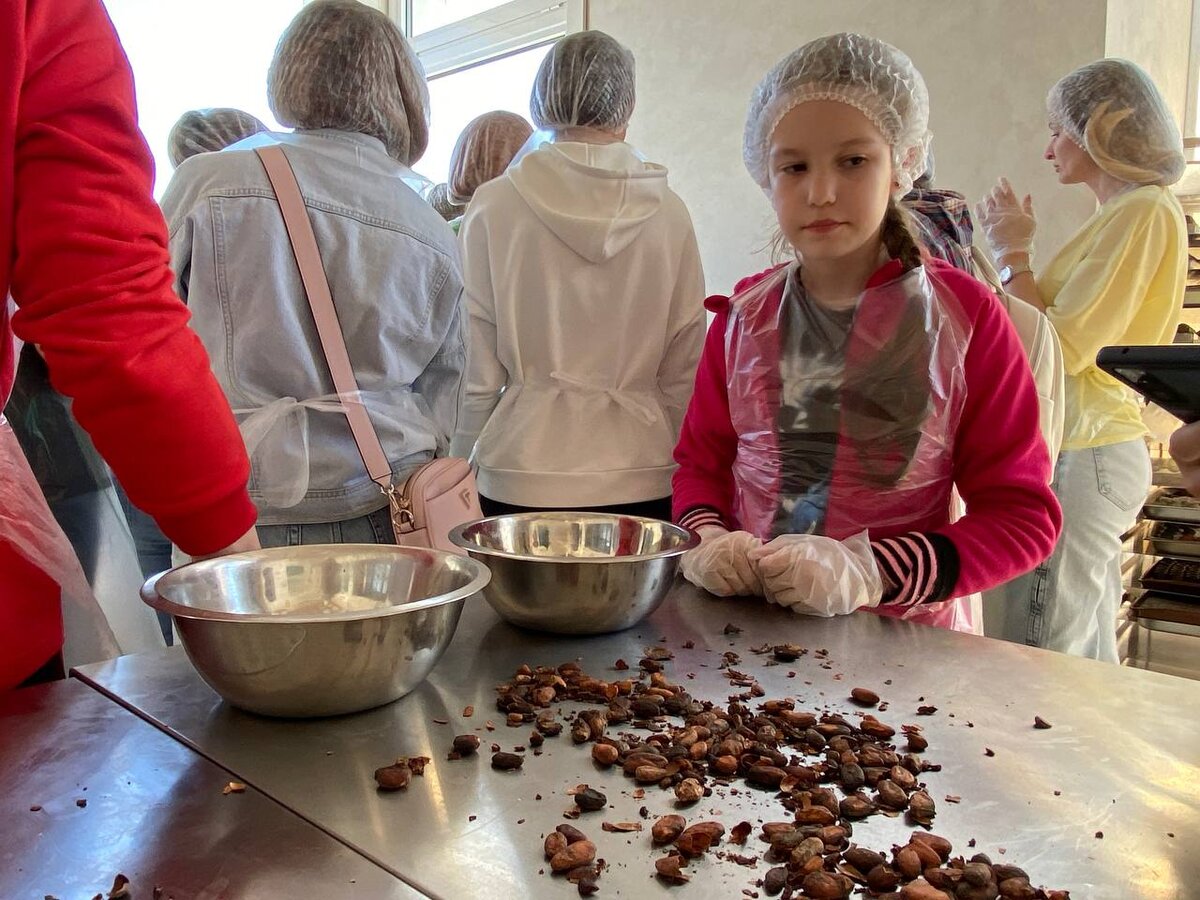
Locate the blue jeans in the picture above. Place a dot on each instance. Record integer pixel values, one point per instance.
(373, 528)
(153, 550)
(1069, 603)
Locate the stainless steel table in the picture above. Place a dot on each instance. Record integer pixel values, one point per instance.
(1122, 757)
(154, 812)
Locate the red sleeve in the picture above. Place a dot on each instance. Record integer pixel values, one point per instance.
(1001, 464)
(707, 442)
(92, 279)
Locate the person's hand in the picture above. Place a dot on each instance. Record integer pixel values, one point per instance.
(248, 541)
(818, 576)
(721, 565)
(1008, 222)
(1185, 450)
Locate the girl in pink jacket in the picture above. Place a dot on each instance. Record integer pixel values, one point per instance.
(842, 396)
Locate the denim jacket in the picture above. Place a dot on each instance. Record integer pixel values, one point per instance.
(394, 272)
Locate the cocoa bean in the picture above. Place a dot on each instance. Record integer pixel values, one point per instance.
(928, 856)
(667, 828)
(580, 853)
(775, 880)
(856, 807)
(826, 886)
(636, 759)
(605, 754)
(698, 750)
(807, 850)
(852, 776)
(693, 843)
(922, 890)
(715, 830)
(668, 869)
(917, 742)
(571, 833)
(941, 846)
(863, 859)
(1003, 872)
(1017, 889)
(907, 863)
(507, 761)
(882, 878)
(903, 778)
(889, 795)
(724, 765)
(876, 729)
(689, 791)
(466, 744)
(765, 776)
(864, 696)
(649, 774)
(977, 874)
(815, 815)
(590, 800)
(555, 843)
(393, 778)
(921, 808)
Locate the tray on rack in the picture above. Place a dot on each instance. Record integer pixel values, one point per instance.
(1172, 505)
(1159, 612)
(1178, 577)
(1173, 539)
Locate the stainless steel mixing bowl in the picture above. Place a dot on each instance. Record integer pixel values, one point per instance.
(575, 572)
(317, 630)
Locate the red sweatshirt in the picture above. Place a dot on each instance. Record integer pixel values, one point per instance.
(1001, 466)
(83, 252)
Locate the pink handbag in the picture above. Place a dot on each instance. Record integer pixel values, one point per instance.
(441, 494)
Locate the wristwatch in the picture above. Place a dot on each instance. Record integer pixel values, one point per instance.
(1008, 273)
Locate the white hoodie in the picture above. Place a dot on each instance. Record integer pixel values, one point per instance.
(586, 298)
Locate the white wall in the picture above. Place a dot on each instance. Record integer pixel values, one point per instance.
(1155, 34)
(988, 64)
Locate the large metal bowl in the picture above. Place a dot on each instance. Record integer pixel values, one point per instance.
(575, 572)
(317, 630)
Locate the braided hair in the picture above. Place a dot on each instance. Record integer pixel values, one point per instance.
(898, 236)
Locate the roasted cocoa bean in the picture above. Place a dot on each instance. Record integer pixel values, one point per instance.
(724, 765)
(856, 807)
(826, 886)
(863, 859)
(903, 778)
(668, 869)
(889, 795)
(815, 815)
(637, 759)
(667, 828)
(922, 890)
(605, 754)
(852, 777)
(590, 800)
(554, 843)
(882, 878)
(775, 880)
(689, 791)
(941, 846)
(1003, 872)
(876, 729)
(580, 853)
(507, 761)
(698, 750)
(864, 696)
(1017, 889)
(571, 833)
(765, 776)
(649, 774)
(977, 874)
(921, 808)
(549, 727)
(928, 856)
(393, 778)
(917, 743)
(693, 843)
(808, 849)
(907, 863)
(466, 744)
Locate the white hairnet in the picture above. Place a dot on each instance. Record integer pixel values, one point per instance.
(343, 65)
(439, 199)
(484, 150)
(586, 80)
(209, 130)
(873, 77)
(1112, 110)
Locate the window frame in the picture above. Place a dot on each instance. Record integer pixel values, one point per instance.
(492, 34)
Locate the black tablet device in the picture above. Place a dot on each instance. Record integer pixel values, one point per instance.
(1168, 376)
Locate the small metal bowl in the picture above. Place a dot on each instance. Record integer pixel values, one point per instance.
(575, 572)
(317, 630)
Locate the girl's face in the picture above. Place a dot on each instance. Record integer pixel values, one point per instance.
(1072, 163)
(831, 177)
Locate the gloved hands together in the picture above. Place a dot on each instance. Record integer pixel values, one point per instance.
(819, 576)
(721, 564)
(1009, 223)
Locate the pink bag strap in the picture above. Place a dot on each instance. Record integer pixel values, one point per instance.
(316, 288)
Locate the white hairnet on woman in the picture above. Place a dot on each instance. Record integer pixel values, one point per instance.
(1112, 109)
(483, 151)
(1117, 280)
(585, 81)
(344, 75)
(209, 130)
(874, 77)
(439, 199)
(345, 66)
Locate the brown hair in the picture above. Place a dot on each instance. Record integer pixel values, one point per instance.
(898, 238)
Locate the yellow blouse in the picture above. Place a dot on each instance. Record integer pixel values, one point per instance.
(1119, 280)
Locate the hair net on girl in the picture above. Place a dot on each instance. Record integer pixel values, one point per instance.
(586, 80)
(483, 151)
(343, 65)
(873, 77)
(439, 199)
(1113, 110)
(209, 130)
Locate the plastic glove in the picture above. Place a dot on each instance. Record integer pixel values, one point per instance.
(1009, 223)
(721, 565)
(818, 576)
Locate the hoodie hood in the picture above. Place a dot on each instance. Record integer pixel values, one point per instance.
(594, 197)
